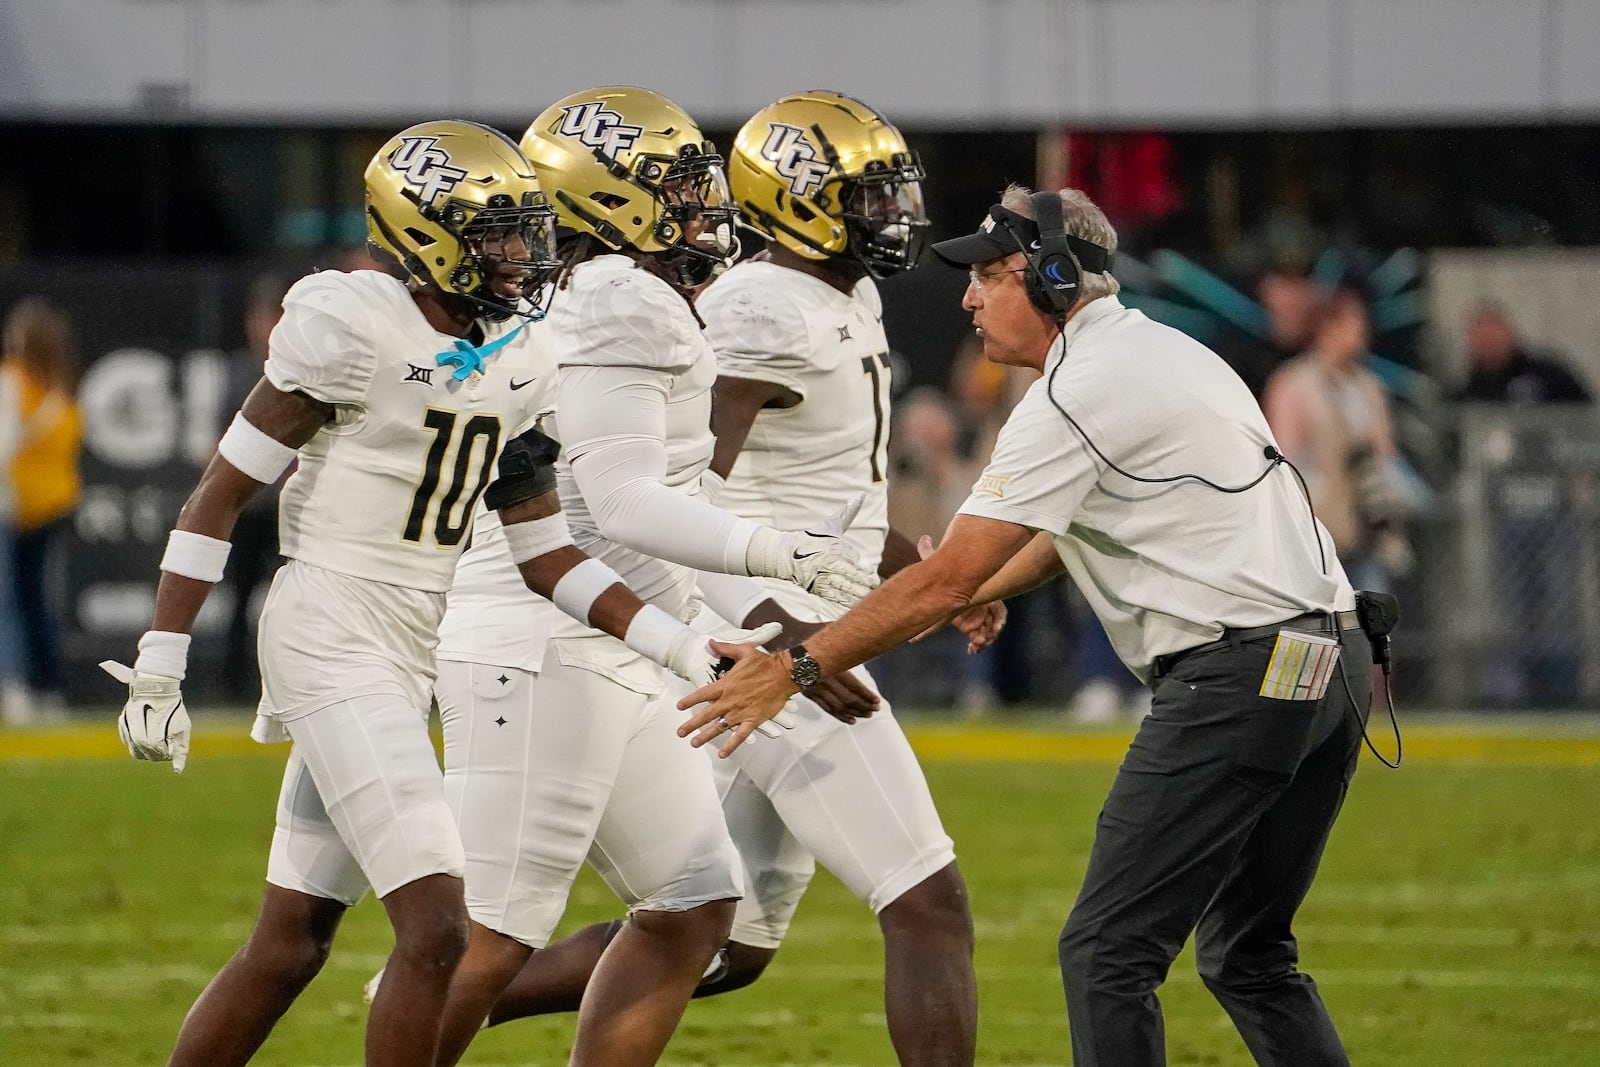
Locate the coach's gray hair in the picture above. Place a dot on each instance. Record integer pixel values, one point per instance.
(1082, 219)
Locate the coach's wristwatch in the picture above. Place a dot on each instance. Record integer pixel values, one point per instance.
(804, 671)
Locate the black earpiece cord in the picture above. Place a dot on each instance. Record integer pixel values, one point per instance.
(1276, 457)
(1270, 452)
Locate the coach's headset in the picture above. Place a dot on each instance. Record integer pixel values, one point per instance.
(1054, 281)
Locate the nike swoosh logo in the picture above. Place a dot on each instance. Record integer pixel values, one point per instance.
(515, 385)
(806, 555)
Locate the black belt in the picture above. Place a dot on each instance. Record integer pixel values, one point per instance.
(1314, 621)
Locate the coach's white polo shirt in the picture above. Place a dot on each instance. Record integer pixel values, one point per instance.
(1168, 566)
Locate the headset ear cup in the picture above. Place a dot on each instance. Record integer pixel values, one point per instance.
(1039, 294)
(1054, 276)
(1060, 279)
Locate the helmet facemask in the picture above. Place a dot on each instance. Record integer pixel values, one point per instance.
(697, 212)
(884, 215)
(498, 241)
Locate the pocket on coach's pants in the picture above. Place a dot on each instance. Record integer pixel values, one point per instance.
(1260, 740)
(1274, 737)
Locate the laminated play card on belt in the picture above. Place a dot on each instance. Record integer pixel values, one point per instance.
(1302, 664)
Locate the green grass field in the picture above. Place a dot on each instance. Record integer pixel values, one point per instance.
(1456, 921)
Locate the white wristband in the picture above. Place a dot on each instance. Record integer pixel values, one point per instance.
(253, 452)
(577, 590)
(652, 632)
(164, 653)
(195, 556)
(534, 537)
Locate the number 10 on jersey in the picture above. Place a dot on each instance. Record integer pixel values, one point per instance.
(454, 506)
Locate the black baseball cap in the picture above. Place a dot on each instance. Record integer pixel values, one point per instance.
(1003, 232)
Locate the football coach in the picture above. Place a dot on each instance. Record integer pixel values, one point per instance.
(1140, 464)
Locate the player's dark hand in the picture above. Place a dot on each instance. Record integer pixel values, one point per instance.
(845, 697)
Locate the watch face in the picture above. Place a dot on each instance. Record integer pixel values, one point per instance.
(806, 671)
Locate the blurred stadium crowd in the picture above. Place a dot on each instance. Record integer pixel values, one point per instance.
(1413, 306)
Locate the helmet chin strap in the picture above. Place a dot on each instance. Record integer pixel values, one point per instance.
(492, 311)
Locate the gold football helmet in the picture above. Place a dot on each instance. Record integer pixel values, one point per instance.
(824, 175)
(450, 201)
(632, 168)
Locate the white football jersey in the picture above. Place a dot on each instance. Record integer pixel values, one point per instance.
(801, 464)
(387, 491)
(614, 314)
(490, 616)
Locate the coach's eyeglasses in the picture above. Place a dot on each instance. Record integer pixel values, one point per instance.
(977, 277)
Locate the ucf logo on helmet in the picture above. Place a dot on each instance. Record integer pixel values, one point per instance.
(426, 166)
(794, 158)
(597, 126)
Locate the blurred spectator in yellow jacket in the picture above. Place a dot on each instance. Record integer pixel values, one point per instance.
(40, 366)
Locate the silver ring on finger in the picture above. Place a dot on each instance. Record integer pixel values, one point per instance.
(724, 723)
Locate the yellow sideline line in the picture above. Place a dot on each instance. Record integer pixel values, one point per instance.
(1461, 744)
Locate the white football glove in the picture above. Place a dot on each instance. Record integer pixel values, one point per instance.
(820, 561)
(691, 659)
(154, 723)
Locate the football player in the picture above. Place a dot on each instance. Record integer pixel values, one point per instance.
(800, 418)
(591, 762)
(394, 397)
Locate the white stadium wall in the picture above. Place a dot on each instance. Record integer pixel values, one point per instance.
(928, 62)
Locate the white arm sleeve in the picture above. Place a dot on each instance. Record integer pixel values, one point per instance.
(731, 596)
(613, 429)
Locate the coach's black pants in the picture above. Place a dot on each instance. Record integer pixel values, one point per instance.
(1215, 824)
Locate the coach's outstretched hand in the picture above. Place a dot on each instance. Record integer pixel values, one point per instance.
(741, 701)
(154, 723)
(820, 561)
(692, 659)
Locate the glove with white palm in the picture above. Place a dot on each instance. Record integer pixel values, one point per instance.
(154, 723)
(691, 659)
(820, 561)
